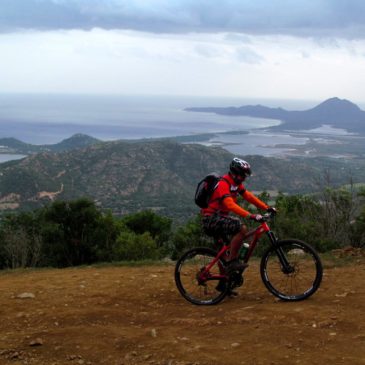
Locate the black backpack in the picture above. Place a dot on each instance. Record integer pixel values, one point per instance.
(205, 189)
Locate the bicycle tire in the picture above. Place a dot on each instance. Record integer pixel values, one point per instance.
(186, 270)
(305, 278)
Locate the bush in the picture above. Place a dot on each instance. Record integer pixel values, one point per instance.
(77, 232)
(147, 221)
(189, 236)
(20, 241)
(358, 230)
(133, 247)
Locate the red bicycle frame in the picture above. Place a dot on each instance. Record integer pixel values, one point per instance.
(256, 233)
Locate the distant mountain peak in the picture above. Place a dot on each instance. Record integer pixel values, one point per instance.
(336, 103)
(78, 136)
(78, 140)
(336, 112)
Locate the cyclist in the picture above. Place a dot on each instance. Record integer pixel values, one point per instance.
(216, 219)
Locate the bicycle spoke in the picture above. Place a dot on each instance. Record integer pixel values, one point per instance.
(298, 280)
(194, 283)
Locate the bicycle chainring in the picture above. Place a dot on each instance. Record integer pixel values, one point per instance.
(236, 280)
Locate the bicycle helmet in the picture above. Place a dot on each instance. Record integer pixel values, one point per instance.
(240, 167)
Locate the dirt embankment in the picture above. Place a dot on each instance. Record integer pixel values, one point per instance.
(122, 315)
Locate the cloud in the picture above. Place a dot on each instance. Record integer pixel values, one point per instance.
(249, 56)
(325, 18)
(130, 62)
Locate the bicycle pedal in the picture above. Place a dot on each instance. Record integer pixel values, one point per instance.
(236, 266)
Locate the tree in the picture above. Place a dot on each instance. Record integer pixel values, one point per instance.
(75, 233)
(188, 236)
(20, 240)
(147, 221)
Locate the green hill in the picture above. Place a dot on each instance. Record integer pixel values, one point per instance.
(13, 145)
(160, 175)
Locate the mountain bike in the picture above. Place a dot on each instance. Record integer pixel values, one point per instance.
(290, 269)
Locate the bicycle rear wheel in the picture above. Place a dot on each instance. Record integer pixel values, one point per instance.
(188, 281)
(303, 276)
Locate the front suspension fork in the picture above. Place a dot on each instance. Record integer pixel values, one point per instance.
(285, 265)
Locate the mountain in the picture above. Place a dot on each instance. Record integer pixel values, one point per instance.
(339, 113)
(78, 140)
(160, 175)
(12, 145)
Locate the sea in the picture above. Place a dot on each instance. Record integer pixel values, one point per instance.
(50, 118)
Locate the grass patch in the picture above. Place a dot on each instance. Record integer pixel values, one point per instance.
(331, 260)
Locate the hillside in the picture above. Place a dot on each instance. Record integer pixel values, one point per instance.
(159, 175)
(338, 113)
(13, 145)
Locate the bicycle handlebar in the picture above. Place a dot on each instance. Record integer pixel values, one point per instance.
(267, 217)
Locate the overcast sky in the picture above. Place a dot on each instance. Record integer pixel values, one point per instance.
(301, 49)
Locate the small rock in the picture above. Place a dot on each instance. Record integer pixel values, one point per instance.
(26, 296)
(36, 342)
(130, 355)
(21, 314)
(235, 344)
(359, 337)
(343, 295)
(326, 323)
(14, 355)
(153, 332)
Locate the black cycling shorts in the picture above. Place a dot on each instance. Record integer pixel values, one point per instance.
(220, 226)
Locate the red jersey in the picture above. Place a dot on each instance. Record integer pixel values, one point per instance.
(227, 188)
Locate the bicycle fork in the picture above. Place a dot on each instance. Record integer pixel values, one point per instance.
(285, 265)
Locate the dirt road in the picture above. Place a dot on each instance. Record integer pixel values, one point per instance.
(123, 315)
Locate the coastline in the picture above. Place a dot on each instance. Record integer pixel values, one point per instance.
(329, 142)
(45, 120)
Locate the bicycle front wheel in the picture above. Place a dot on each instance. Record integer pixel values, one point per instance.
(212, 289)
(300, 279)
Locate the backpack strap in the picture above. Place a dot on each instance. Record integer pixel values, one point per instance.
(229, 184)
(241, 192)
(225, 195)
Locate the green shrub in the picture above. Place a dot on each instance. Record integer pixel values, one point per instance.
(130, 246)
(188, 236)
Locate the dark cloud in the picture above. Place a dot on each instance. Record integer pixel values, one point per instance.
(321, 18)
